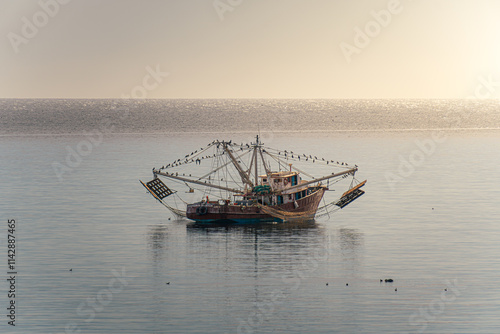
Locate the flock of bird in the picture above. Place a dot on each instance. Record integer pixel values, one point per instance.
(190, 158)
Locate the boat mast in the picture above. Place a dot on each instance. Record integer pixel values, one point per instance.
(244, 177)
(264, 163)
(255, 154)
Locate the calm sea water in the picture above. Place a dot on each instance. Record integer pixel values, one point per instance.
(429, 220)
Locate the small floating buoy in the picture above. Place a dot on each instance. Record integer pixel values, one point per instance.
(396, 289)
(347, 284)
(168, 283)
(326, 284)
(71, 269)
(445, 289)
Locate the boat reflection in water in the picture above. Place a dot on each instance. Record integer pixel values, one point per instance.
(260, 248)
(253, 271)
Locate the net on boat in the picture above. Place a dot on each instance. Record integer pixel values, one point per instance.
(287, 215)
(159, 191)
(348, 197)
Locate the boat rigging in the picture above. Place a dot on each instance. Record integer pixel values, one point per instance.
(250, 183)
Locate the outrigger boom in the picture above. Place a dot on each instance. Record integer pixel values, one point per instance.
(350, 171)
(205, 184)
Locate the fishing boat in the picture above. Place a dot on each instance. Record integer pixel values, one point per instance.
(251, 183)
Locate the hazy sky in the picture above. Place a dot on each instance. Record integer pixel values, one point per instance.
(249, 48)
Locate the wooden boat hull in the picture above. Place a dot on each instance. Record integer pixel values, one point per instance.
(209, 212)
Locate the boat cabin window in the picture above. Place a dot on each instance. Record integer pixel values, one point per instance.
(300, 194)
